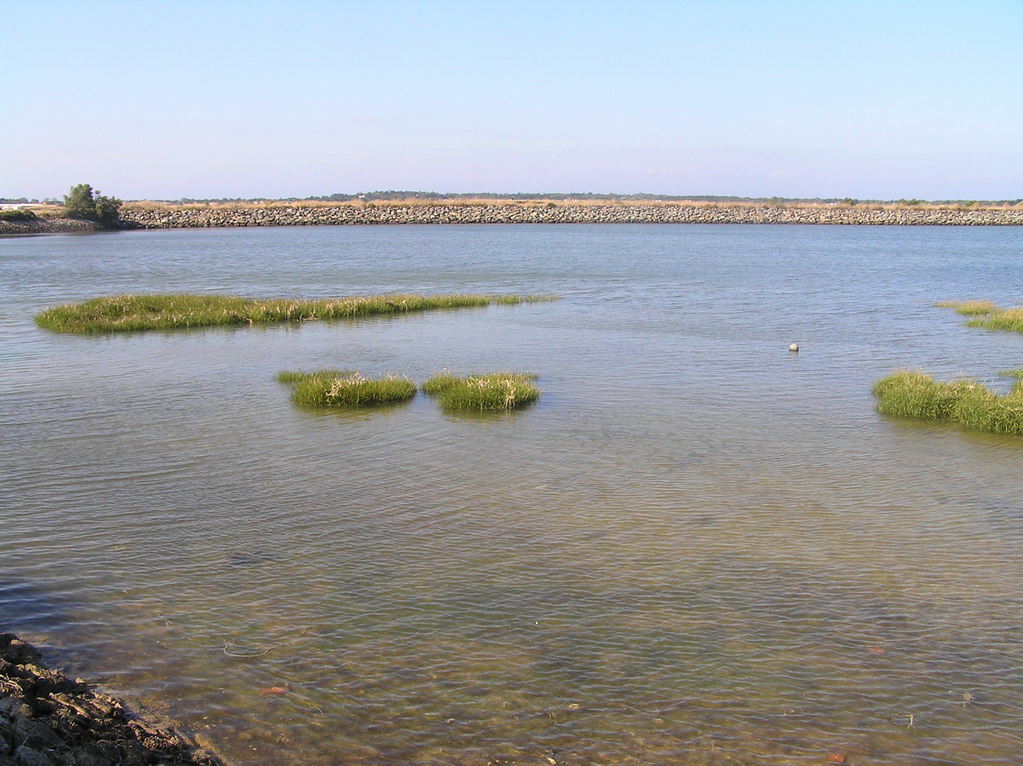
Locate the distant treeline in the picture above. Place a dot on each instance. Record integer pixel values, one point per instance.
(27, 201)
(392, 195)
(384, 196)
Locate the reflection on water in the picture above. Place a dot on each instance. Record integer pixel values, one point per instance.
(696, 547)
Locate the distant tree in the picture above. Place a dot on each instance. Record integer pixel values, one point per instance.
(81, 202)
(108, 209)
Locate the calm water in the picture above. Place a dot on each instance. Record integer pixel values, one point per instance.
(696, 548)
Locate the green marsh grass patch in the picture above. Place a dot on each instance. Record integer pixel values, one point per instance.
(968, 308)
(494, 391)
(915, 394)
(124, 313)
(343, 388)
(987, 315)
(1001, 319)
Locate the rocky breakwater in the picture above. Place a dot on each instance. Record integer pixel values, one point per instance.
(291, 214)
(47, 226)
(46, 719)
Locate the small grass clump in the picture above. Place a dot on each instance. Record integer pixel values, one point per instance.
(511, 300)
(987, 315)
(968, 308)
(342, 388)
(120, 313)
(496, 391)
(1016, 373)
(915, 394)
(1001, 319)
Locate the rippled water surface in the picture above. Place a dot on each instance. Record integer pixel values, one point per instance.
(697, 547)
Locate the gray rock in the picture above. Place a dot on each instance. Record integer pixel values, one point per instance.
(83, 757)
(26, 756)
(15, 707)
(16, 651)
(34, 734)
(49, 681)
(94, 755)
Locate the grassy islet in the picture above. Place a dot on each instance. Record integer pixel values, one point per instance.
(988, 315)
(1001, 319)
(123, 313)
(968, 308)
(915, 394)
(344, 388)
(494, 391)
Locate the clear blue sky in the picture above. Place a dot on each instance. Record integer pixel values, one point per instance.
(835, 98)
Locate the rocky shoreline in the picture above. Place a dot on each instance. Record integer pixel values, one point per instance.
(203, 216)
(47, 719)
(296, 214)
(48, 226)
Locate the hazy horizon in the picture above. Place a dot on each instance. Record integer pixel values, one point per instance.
(873, 100)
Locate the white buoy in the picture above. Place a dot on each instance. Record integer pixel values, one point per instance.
(794, 347)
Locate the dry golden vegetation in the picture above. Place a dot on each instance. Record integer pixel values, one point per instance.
(968, 308)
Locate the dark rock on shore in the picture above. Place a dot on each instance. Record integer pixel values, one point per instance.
(47, 719)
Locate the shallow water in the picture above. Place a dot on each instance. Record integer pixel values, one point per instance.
(696, 548)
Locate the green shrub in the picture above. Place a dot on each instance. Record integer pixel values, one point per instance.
(916, 394)
(82, 203)
(339, 388)
(496, 391)
(18, 215)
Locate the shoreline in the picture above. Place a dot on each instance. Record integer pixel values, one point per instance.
(153, 215)
(166, 216)
(47, 718)
(47, 226)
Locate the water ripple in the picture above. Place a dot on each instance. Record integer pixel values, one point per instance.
(697, 547)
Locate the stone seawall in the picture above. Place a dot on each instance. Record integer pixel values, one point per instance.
(47, 226)
(216, 216)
